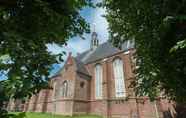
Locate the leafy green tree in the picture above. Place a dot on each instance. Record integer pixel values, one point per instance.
(159, 30)
(26, 27)
(3, 112)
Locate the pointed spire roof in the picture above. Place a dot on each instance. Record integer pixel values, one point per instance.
(69, 59)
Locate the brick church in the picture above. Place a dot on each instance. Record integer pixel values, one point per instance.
(97, 81)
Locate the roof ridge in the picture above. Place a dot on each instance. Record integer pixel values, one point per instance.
(88, 54)
(80, 67)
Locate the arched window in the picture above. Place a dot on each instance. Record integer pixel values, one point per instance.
(65, 89)
(119, 78)
(56, 91)
(61, 90)
(98, 81)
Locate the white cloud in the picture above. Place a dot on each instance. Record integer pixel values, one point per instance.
(55, 49)
(79, 45)
(93, 16)
(101, 24)
(96, 20)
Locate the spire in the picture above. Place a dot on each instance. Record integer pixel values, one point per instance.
(94, 39)
(69, 59)
(94, 27)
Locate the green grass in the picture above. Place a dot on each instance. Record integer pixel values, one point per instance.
(47, 115)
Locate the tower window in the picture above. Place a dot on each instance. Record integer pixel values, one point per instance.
(94, 40)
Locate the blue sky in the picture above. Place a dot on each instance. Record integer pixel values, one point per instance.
(94, 16)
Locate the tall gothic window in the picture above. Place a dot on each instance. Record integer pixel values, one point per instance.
(65, 89)
(61, 90)
(55, 91)
(98, 81)
(119, 78)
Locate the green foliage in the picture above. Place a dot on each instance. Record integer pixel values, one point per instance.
(157, 26)
(45, 115)
(18, 115)
(27, 26)
(3, 98)
(179, 45)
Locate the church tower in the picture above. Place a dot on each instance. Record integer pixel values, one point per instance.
(94, 40)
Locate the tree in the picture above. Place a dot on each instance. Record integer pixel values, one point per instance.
(3, 112)
(26, 27)
(159, 30)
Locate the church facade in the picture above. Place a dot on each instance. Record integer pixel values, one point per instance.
(97, 81)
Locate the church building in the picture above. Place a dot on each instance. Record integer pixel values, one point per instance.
(98, 81)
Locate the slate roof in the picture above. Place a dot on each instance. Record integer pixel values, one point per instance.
(81, 55)
(102, 51)
(80, 67)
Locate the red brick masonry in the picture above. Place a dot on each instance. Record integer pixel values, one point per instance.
(80, 98)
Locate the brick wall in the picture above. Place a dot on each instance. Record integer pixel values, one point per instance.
(82, 94)
(80, 98)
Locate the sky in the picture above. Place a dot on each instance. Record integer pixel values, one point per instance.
(94, 16)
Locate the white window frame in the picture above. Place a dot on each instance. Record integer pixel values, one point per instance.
(128, 44)
(120, 90)
(98, 81)
(55, 91)
(65, 89)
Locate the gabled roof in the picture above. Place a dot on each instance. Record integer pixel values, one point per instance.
(102, 51)
(80, 67)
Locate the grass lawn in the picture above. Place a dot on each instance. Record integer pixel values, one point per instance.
(46, 115)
